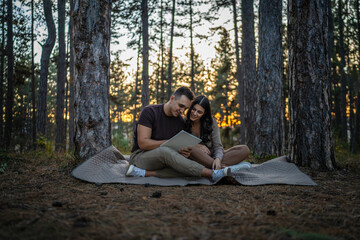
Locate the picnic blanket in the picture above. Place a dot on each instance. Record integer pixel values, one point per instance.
(110, 166)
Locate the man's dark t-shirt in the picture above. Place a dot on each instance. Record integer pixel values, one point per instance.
(163, 127)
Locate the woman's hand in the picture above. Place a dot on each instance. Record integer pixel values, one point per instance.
(185, 152)
(203, 148)
(216, 165)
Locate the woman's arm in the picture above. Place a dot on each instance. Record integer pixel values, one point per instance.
(217, 147)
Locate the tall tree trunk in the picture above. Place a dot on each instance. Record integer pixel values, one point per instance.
(72, 85)
(33, 83)
(145, 98)
(60, 144)
(240, 80)
(310, 142)
(91, 21)
(343, 130)
(169, 91)
(44, 68)
(162, 97)
(248, 71)
(355, 142)
(270, 135)
(10, 86)
(136, 92)
(66, 109)
(192, 74)
(2, 74)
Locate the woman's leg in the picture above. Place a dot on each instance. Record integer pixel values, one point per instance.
(200, 157)
(235, 155)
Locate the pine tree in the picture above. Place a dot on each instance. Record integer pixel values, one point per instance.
(310, 139)
(92, 65)
(270, 134)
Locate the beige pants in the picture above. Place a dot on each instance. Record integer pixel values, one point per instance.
(166, 162)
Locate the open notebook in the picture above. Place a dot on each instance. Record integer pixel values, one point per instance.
(181, 140)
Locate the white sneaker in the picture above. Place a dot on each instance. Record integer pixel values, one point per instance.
(242, 165)
(219, 174)
(135, 172)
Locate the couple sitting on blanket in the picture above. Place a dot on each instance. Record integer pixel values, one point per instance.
(158, 123)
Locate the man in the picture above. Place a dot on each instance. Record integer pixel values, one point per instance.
(157, 124)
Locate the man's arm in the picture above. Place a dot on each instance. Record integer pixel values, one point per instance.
(144, 138)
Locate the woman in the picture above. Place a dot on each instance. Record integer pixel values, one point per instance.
(210, 151)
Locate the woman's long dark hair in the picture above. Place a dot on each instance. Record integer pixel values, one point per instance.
(206, 120)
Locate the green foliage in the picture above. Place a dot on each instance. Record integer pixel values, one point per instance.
(3, 160)
(122, 142)
(344, 158)
(44, 144)
(2, 167)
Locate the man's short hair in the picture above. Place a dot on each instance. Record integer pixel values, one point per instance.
(184, 91)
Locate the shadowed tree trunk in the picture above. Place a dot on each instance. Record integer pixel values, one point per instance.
(33, 83)
(270, 135)
(343, 129)
(60, 144)
(71, 83)
(162, 96)
(248, 70)
(136, 92)
(91, 21)
(145, 98)
(10, 86)
(240, 80)
(169, 91)
(355, 141)
(310, 142)
(192, 73)
(2, 74)
(44, 68)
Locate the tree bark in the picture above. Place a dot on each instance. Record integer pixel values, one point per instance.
(162, 96)
(60, 144)
(91, 21)
(192, 74)
(71, 81)
(44, 68)
(169, 91)
(2, 75)
(33, 81)
(355, 141)
(310, 139)
(238, 77)
(343, 92)
(10, 71)
(248, 71)
(145, 98)
(136, 92)
(270, 135)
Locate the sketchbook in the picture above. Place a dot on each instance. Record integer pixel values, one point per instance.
(181, 140)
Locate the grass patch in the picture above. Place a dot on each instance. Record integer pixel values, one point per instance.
(346, 159)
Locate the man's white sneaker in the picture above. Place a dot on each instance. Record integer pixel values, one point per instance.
(135, 172)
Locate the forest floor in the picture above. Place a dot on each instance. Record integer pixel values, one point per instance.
(39, 199)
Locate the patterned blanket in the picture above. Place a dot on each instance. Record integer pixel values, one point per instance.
(109, 166)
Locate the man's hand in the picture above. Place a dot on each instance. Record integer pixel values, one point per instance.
(203, 148)
(185, 152)
(216, 165)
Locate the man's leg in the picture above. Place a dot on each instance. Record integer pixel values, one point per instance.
(235, 155)
(164, 157)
